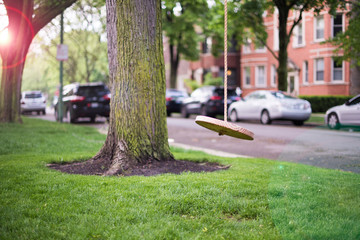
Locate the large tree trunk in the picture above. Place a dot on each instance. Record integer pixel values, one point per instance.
(13, 57)
(10, 91)
(137, 131)
(283, 44)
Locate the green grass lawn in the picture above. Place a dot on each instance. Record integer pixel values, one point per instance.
(317, 118)
(254, 199)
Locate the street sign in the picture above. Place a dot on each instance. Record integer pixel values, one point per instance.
(62, 52)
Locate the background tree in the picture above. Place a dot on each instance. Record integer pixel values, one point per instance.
(348, 42)
(181, 18)
(26, 18)
(137, 130)
(348, 45)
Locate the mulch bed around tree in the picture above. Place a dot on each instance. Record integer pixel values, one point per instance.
(149, 169)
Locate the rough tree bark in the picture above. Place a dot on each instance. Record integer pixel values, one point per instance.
(25, 20)
(137, 130)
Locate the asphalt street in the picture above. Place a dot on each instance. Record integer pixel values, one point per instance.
(309, 144)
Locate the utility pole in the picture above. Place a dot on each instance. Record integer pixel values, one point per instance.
(60, 101)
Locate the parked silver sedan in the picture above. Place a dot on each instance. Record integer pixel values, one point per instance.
(270, 105)
(346, 114)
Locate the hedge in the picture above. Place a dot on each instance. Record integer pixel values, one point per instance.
(320, 104)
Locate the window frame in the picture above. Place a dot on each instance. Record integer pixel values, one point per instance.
(316, 70)
(342, 23)
(333, 69)
(247, 47)
(316, 19)
(296, 43)
(305, 75)
(245, 76)
(257, 84)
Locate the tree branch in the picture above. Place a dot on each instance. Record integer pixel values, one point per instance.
(296, 22)
(267, 46)
(46, 12)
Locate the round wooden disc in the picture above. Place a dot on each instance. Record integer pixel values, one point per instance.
(224, 128)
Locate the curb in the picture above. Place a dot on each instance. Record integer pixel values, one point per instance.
(206, 150)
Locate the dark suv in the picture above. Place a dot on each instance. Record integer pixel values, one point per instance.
(207, 101)
(85, 100)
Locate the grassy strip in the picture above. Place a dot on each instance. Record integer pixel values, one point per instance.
(315, 118)
(254, 199)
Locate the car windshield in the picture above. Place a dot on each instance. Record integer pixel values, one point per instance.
(220, 92)
(176, 94)
(89, 91)
(281, 95)
(33, 95)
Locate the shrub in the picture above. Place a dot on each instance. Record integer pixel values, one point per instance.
(191, 84)
(320, 104)
(213, 81)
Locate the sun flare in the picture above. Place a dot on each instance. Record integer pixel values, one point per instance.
(4, 37)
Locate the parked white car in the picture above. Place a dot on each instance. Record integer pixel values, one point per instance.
(33, 101)
(270, 105)
(346, 114)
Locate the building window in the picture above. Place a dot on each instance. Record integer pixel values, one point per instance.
(319, 69)
(260, 48)
(337, 70)
(337, 24)
(319, 28)
(305, 72)
(247, 46)
(273, 75)
(299, 38)
(260, 76)
(247, 76)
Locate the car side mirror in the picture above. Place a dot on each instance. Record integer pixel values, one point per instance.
(347, 103)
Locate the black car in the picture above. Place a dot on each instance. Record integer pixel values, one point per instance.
(208, 101)
(85, 100)
(174, 99)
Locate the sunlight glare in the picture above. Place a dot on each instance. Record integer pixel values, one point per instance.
(4, 37)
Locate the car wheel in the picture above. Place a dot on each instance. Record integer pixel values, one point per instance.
(168, 113)
(70, 116)
(92, 119)
(298, 123)
(44, 112)
(265, 117)
(203, 111)
(233, 116)
(333, 121)
(184, 112)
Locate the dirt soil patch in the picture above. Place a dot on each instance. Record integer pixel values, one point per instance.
(150, 168)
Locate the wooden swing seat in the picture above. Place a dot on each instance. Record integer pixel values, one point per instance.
(224, 128)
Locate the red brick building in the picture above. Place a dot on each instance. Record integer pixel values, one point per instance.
(312, 65)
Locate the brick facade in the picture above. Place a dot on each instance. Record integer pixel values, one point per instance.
(311, 66)
(312, 69)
